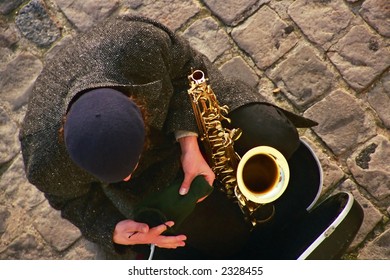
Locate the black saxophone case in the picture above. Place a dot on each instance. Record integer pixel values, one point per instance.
(301, 228)
(324, 230)
(335, 223)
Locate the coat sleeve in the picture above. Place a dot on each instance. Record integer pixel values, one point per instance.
(68, 189)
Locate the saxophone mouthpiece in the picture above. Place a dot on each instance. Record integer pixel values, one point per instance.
(198, 77)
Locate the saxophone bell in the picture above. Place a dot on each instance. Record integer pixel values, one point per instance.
(262, 175)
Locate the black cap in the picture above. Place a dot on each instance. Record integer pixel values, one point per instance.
(104, 134)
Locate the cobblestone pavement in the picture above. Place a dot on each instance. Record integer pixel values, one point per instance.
(325, 59)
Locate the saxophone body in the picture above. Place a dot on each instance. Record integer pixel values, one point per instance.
(253, 181)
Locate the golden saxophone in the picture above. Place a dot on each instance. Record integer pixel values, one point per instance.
(254, 181)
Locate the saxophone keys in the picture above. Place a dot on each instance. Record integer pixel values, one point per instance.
(235, 133)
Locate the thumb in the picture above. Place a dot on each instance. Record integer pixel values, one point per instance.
(185, 186)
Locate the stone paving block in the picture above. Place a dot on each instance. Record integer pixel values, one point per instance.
(172, 13)
(281, 8)
(9, 35)
(265, 37)
(27, 247)
(16, 190)
(15, 225)
(372, 216)
(36, 25)
(232, 11)
(379, 99)
(9, 142)
(377, 249)
(83, 250)
(57, 47)
(303, 76)
(321, 20)
(360, 56)
(5, 56)
(85, 13)
(6, 6)
(370, 166)
(4, 215)
(17, 78)
(237, 68)
(377, 14)
(206, 36)
(273, 94)
(342, 122)
(55, 230)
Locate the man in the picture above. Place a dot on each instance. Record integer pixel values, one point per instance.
(109, 124)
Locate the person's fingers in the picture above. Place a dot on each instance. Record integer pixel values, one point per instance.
(169, 224)
(155, 236)
(158, 230)
(171, 242)
(185, 186)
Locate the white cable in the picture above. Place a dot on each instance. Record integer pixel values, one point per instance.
(152, 247)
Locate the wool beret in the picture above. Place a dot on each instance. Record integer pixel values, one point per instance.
(104, 134)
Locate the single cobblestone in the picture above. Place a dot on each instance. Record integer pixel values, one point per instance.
(303, 76)
(370, 166)
(85, 13)
(206, 36)
(17, 191)
(231, 12)
(321, 21)
(57, 232)
(265, 37)
(27, 246)
(36, 25)
(372, 216)
(379, 99)
(173, 13)
(85, 250)
(4, 215)
(7, 6)
(377, 14)
(9, 142)
(17, 78)
(378, 248)
(237, 68)
(360, 56)
(342, 122)
(15, 225)
(9, 35)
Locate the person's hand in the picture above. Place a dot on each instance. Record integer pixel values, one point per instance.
(193, 163)
(129, 232)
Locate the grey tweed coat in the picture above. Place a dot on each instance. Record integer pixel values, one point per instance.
(142, 58)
